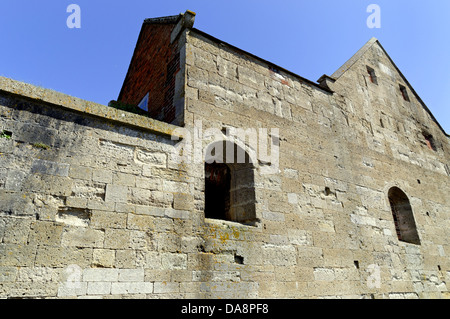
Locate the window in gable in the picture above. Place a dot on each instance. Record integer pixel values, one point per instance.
(404, 93)
(372, 75)
(429, 140)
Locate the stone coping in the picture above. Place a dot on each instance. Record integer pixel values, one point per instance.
(90, 108)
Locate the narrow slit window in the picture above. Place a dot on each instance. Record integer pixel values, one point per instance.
(372, 75)
(404, 93)
(405, 225)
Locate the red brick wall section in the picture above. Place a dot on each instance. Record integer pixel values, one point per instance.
(153, 68)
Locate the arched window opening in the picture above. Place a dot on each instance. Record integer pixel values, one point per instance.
(217, 191)
(229, 184)
(405, 225)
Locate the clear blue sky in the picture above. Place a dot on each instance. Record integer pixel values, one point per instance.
(310, 38)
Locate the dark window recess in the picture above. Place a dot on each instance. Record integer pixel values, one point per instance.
(273, 69)
(217, 190)
(229, 185)
(372, 75)
(404, 93)
(429, 140)
(402, 213)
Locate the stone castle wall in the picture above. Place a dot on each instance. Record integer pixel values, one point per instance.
(327, 213)
(93, 204)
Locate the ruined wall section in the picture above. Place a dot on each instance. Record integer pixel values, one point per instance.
(326, 223)
(93, 206)
(90, 205)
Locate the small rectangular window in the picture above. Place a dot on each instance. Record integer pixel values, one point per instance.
(404, 93)
(372, 75)
(429, 140)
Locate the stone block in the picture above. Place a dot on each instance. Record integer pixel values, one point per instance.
(74, 290)
(124, 179)
(76, 202)
(48, 184)
(98, 204)
(48, 256)
(98, 288)
(324, 274)
(80, 172)
(125, 258)
(150, 210)
(107, 219)
(183, 201)
(123, 288)
(46, 233)
(166, 287)
(82, 237)
(8, 274)
(15, 179)
(177, 214)
(279, 255)
(15, 230)
(100, 275)
(171, 261)
(116, 193)
(131, 275)
(117, 238)
(151, 158)
(104, 258)
(140, 222)
(102, 176)
(50, 168)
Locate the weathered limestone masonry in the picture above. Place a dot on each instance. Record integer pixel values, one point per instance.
(93, 206)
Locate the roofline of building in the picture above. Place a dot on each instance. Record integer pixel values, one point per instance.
(220, 42)
(355, 58)
(53, 98)
(414, 91)
(164, 20)
(335, 76)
